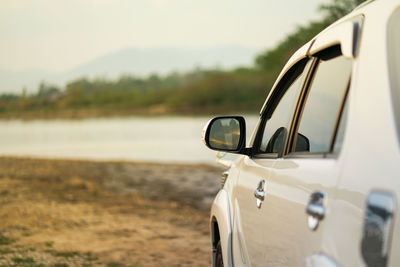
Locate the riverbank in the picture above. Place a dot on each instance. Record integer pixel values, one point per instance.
(151, 111)
(82, 213)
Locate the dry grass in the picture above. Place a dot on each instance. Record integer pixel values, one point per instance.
(78, 213)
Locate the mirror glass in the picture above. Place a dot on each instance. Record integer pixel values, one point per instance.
(224, 134)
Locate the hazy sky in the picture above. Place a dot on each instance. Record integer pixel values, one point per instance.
(58, 35)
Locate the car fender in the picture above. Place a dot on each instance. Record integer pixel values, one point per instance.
(220, 214)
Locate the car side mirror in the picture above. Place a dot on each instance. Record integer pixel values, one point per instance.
(226, 134)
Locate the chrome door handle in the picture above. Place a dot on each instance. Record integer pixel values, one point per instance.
(260, 193)
(315, 209)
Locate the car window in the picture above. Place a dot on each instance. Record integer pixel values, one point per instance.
(278, 121)
(340, 131)
(323, 102)
(394, 62)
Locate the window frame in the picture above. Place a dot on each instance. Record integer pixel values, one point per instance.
(276, 96)
(289, 152)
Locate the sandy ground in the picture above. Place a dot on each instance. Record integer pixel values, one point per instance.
(81, 213)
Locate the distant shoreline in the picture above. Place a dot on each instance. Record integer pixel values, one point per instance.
(155, 111)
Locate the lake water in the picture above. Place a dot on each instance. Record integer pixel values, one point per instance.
(158, 139)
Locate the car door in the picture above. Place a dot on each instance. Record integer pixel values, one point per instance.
(304, 180)
(295, 168)
(251, 239)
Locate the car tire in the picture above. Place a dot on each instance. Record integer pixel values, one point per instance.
(218, 256)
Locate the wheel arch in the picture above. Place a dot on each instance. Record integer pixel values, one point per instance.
(220, 227)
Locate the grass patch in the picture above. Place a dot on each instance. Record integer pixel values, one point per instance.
(114, 264)
(5, 251)
(61, 265)
(90, 257)
(49, 244)
(5, 240)
(27, 260)
(66, 254)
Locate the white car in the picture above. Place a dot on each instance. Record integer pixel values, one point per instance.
(319, 180)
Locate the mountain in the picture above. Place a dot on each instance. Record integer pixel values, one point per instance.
(134, 61)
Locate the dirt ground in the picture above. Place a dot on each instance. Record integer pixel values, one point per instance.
(81, 213)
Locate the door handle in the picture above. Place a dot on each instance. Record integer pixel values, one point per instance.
(315, 209)
(259, 194)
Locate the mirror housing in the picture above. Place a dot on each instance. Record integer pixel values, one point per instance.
(226, 133)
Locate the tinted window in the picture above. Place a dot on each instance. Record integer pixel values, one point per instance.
(394, 62)
(277, 126)
(323, 103)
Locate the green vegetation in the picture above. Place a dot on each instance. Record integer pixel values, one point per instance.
(21, 260)
(4, 240)
(49, 244)
(199, 91)
(274, 59)
(66, 254)
(5, 251)
(90, 257)
(113, 264)
(196, 92)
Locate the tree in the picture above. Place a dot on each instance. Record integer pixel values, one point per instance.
(47, 91)
(274, 59)
(338, 9)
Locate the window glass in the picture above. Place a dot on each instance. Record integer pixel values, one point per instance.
(394, 62)
(323, 103)
(277, 126)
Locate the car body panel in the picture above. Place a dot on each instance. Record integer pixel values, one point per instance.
(369, 164)
(248, 231)
(270, 231)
